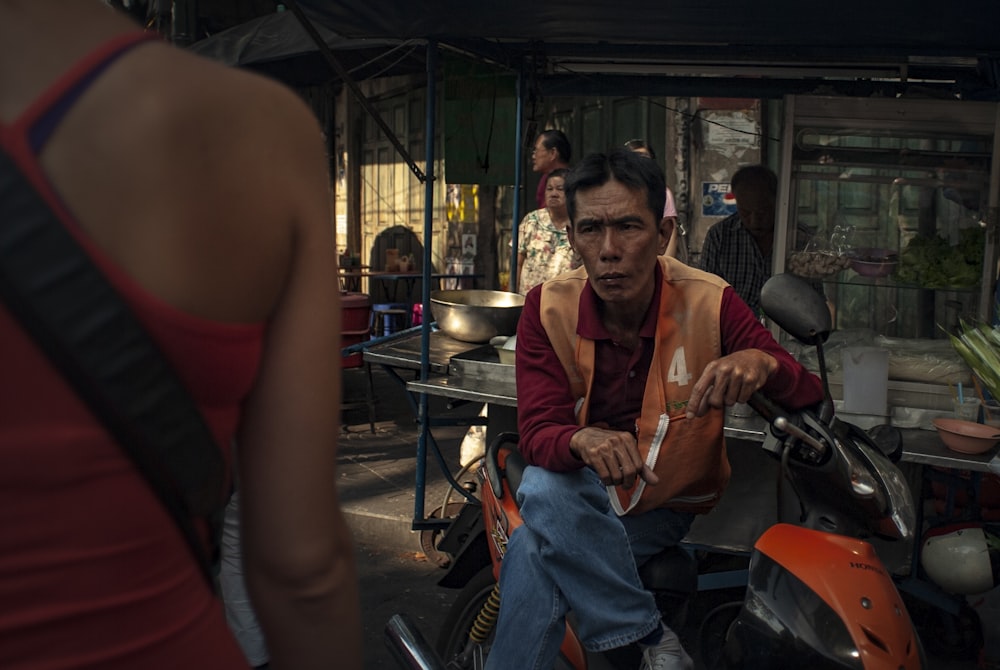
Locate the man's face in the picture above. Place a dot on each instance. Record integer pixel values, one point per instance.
(756, 209)
(541, 157)
(618, 238)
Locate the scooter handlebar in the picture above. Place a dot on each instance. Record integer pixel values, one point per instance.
(782, 425)
(767, 409)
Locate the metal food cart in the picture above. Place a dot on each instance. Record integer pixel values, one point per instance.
(474, 372)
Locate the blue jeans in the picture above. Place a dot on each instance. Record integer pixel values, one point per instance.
(574, 553)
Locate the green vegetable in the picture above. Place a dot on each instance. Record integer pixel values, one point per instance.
(932, 263)
(979, 347)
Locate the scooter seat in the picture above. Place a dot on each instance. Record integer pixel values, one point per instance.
(514, 466)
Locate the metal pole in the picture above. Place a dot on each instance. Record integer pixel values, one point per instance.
(425, 331)
(184, 21)
(518, 161)
(355, 89)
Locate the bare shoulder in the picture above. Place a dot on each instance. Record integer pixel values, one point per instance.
(228, 103)
(220, 130)
(199, 156)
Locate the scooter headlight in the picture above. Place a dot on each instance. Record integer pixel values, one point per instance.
(881, 495)
(893, 492)
(862, 482)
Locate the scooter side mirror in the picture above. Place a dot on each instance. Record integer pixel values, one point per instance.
(889, 441)
(797, 308)
(801, 311)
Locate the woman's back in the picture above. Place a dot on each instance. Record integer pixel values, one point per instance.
(202, 194)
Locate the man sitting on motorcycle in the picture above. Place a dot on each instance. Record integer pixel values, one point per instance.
(624, 368)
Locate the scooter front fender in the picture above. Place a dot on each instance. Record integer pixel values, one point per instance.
(824, 600)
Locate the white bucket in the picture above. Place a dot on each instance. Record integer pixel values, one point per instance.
(866, 380)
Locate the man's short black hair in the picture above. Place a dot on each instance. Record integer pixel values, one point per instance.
(556, 139)
(623, 165)
(758, 175)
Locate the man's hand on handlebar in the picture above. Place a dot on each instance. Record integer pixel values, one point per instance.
(730, 379)
(613, 455)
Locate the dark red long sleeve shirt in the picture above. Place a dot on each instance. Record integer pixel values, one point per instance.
(545, 406)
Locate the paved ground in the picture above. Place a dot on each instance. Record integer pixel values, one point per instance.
(377, 473)
(396, 581)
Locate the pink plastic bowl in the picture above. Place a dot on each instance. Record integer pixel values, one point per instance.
(966, 437)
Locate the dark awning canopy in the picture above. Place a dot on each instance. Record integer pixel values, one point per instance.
(905, 26)
(277, 45)
(679, 47)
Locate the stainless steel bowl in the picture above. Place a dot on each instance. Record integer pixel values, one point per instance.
(474, 315)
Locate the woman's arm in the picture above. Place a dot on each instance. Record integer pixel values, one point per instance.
(520, 266)
(299, 554)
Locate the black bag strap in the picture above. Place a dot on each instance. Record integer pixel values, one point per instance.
(91, 336)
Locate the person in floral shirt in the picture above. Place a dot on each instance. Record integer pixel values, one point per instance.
(543, 247)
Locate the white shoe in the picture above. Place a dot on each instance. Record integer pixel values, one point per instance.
(668, 654)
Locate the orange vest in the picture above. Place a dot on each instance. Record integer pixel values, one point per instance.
(688, 455)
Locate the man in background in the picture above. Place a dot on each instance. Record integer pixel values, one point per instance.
(739, 247)
(551, 152)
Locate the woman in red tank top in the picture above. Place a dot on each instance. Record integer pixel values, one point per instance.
(162, 166)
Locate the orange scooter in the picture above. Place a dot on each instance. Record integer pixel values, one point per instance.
(817, 596)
